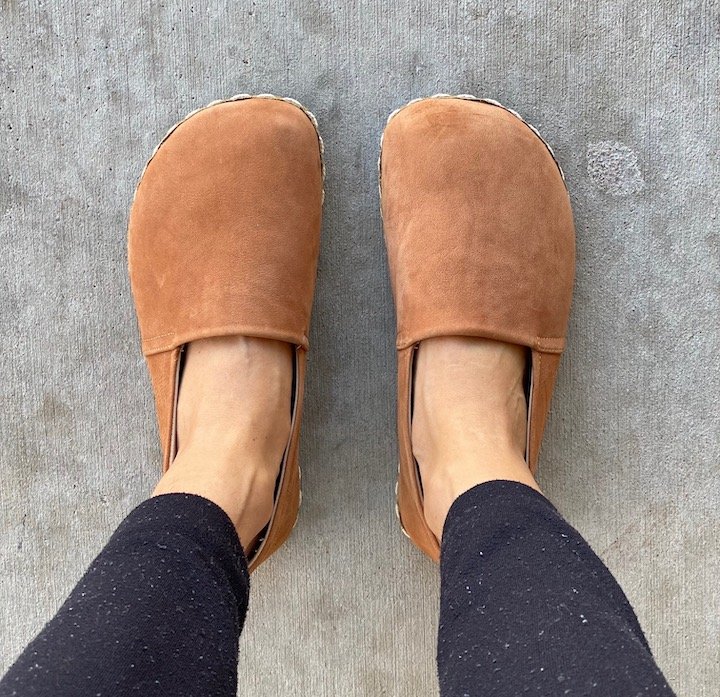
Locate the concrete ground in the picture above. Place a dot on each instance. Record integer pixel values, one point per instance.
(626, 94)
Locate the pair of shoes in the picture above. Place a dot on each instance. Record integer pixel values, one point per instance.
(224, 238)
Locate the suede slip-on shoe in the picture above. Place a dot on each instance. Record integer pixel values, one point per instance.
(223, 240)
(480, 242)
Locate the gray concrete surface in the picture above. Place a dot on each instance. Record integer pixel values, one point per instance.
(626, 94)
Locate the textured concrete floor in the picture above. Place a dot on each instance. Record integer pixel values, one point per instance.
(624, 91)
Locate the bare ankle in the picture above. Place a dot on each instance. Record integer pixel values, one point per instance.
(469, 419)
(234, 413)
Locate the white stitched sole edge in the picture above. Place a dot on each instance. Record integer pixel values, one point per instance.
(239, 98)
(469, 98)
(397, 505)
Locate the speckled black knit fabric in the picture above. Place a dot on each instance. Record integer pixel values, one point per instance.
(527, 608)
(158, 613)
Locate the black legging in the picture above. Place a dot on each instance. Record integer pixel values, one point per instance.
(526, 609)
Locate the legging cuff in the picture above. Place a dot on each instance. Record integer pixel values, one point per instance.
(496, 501)
(172, 519)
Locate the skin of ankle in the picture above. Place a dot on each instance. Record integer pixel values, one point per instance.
(233, 424)
(469, 419)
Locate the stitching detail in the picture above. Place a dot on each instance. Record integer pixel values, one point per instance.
(550, 344)
(160, 349)
(149, 348)
(158, 336)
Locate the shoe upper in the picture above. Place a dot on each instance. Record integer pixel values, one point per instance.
(478, 226)
(225, 225)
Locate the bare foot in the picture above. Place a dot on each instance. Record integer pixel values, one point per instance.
(469, 419)
(233, 424)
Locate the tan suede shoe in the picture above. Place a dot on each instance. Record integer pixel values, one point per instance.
(480, 242)
(223, 240)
